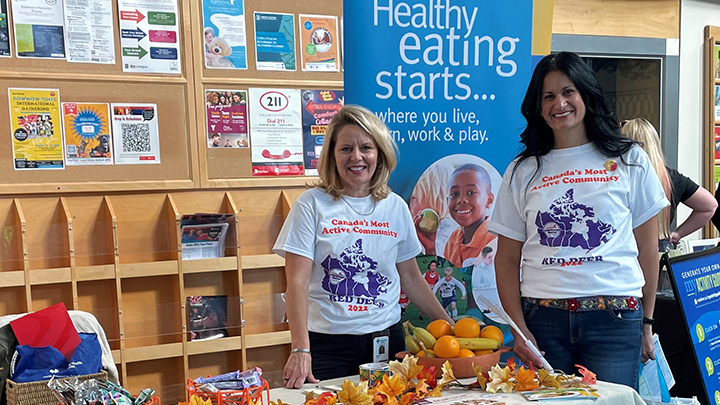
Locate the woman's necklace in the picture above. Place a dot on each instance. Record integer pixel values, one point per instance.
(356, 211)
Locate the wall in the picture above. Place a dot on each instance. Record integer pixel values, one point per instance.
(695, 15)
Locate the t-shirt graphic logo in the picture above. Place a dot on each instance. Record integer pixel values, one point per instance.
(568, 223)
(353, 274)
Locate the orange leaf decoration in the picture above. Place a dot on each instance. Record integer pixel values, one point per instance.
(421, 389)
(587, 375)
(407, 370)
(392, 387)
(511, 364)
(355, 395)
(546, 380)
(407, 399)
(525, 380)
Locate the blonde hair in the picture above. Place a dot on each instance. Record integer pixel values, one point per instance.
(432, 187)
(448, 270)
(330, 180)
(642, 131)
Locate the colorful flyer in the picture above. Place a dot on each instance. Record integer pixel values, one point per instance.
(39, 31)
(137, 140)
(90, 33)
(318, 108)
(342, 43)
(4, 31)
(149, 36)
(87, 134)
(717, 144)
(716, 60)
(319, 43)
(717, 103)
(227, 118)
(274, 41)
(276, 130)
(224, 34)
(36, 128)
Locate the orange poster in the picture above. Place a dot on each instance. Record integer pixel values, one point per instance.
(319, 42)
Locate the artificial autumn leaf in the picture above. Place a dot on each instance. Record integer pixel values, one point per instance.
(428, 375)
(392, 387)
(448, 375)
(379, 397)
(355, 395)
(525, 380)
(588, 376)
(196, 400)
(500, 379)
(546, 380)
(279, 402)
(407, 399)
(251, 402)
(326, 398)
(421, 389)
(436, 392)
(407, 370)
(511, 364)
(482, 381)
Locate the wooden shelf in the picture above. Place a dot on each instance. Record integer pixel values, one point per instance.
(93, 273)
(135, 354)
(12, 278)
(209, 265)
(148, 269)
(50, 276)
(267, 339)
(214, 346)
(262, 261)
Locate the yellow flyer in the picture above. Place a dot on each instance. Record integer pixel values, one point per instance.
(87, 134)
(319, 43)
(36, 128)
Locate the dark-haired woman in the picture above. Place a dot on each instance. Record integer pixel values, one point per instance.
(575, 217)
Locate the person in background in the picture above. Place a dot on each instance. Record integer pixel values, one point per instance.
(431, 276)
(578, 193)
(430, 192)
(349, 245)
(678, 188)
(447, 291)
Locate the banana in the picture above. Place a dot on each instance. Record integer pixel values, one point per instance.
(423, 335)
(411, 341)
(478, 343)
(428, 352)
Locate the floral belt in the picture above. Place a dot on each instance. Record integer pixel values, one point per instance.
(594, 303)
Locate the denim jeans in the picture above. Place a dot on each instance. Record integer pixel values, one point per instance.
(606, 342)
(336, 356)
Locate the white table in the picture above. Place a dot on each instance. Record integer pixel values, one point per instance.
(610, 394)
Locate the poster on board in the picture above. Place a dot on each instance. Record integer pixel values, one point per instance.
(224, 34)
(276, 131)
(318, 108)
(5, 51)
(226, 112)
(38, 29)
(88, 140)
(135, 129)
(36, 129)
(448, 82)
(696, 282)
(149, 36)
(90, 32)
(319, 43)
(274, 41)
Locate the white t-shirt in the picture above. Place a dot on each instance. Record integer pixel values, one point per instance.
(576, 219)
(354, 285)
(447, 288)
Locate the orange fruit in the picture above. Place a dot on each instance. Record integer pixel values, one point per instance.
(483, 352)
(447, 347)
(439, 327)
(492, 332)
(465, 353)
(421, 353)
(467, 328)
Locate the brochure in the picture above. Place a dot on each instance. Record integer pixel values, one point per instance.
(207, 317)
(561, 394)
(203, 241)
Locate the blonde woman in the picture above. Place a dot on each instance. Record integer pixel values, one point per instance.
(349, 245)
(678, 188)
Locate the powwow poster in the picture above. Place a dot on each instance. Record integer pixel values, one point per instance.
(448, 78)
(36, 128)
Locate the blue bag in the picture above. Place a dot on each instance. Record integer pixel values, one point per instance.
(41, 363)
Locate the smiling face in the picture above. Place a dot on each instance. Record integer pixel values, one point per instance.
(563, 109)
(432, 268)
(469, 198)
(356, 158)
(488, 259)
(209, 35)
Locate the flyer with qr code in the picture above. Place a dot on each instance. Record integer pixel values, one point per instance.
(149, 36)
(36, 128)
(135, 128)
(87, 134)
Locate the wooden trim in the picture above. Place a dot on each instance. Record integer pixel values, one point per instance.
(210, 265)
(148, 269)
(86, 77)
(262, 261)
(52, 276)
(110, 212)
(106, 186)
(295, 84)
(261, 182)
(20, 217)
(214, 346)
(92, 273)
(12, 278)
(135, 354)
(71, 252)
(268, 339)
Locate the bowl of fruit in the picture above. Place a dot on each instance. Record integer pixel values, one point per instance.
(468, 343)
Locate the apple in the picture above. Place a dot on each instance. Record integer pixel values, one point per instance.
(429, 220)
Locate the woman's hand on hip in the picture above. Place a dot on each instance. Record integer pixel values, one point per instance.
(297, 369)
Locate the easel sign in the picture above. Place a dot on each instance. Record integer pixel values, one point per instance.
(696, 282)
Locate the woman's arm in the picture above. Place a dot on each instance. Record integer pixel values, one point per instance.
(299, 365)
(418, 290)
(507, 274)
(703, 206)
(646, 239)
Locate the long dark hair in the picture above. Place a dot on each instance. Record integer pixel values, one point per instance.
(601, 127)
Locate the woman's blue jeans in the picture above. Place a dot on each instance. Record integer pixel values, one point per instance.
(606, 342)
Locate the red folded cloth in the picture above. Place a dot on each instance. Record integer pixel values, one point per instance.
(51, 326)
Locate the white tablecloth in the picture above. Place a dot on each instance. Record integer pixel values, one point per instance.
(610, 394)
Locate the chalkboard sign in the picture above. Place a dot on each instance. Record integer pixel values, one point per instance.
(696, 281)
